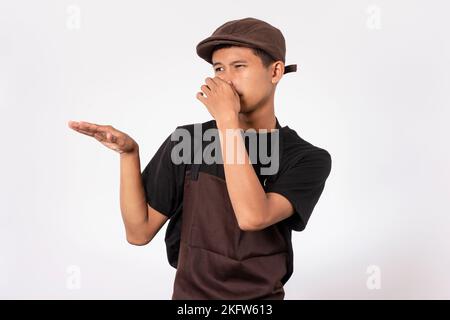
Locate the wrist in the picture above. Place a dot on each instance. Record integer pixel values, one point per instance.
(228, 122)
(132, 153)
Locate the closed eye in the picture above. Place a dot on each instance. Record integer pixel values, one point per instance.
(237, 66)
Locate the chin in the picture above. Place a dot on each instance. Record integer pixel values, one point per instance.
(245, 109)
(244, 106)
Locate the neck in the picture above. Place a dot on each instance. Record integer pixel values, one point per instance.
(260, 118)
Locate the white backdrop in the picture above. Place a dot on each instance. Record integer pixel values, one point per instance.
(372, 88)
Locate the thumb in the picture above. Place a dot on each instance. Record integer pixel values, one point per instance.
(232, 86)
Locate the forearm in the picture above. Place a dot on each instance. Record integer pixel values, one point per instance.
(247, 196)
(133, 204)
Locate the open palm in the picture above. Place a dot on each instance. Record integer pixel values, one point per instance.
(107, 135)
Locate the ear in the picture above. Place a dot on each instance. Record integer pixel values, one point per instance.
(277, 71)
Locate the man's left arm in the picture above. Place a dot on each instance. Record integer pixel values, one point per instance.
(254, 208)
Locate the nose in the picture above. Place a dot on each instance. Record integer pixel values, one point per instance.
(227, 77)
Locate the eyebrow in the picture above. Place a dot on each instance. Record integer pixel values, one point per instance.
(236, 61)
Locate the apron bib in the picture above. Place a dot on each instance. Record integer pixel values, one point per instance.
(216, 259)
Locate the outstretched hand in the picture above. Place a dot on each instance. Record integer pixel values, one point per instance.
(106, 135)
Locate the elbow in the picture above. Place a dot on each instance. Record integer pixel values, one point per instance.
(136, 240)
(250, 225)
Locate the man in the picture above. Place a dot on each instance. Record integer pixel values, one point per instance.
(229, 234)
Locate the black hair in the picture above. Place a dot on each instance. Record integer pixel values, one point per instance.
(266, 59)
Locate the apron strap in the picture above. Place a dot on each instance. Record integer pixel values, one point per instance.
(195, 167)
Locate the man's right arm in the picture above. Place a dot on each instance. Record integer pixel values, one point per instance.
(141, 221)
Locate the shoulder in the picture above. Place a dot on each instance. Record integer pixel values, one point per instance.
(191, 131)
(298, 150)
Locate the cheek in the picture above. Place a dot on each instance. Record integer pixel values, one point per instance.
(257, 87)
(250, 84)
(247, 83)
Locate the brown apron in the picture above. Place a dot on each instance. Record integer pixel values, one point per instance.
(217, 260)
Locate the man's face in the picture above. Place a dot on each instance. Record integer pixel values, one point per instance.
(245, 70)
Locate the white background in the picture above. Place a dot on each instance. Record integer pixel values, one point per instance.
(372, 88)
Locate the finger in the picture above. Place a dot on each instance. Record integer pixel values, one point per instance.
(72, 123)
(232, 87)
(88, 126)
(77, 123)
(222, 81)
(104, 134)
(95, 128)
(105, 137)
(201, 97)
(217, 80)
(86, 132)
(206, 89)
(210, 82)
(85, 128)
(82, 127)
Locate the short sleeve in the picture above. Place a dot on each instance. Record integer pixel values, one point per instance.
(302, 185)
(163, 180)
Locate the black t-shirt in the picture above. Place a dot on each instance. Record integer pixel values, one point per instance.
(302, 171)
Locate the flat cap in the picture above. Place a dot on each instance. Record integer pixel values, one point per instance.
(249, 32)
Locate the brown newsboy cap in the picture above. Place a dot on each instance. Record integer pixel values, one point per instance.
(250, 32)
